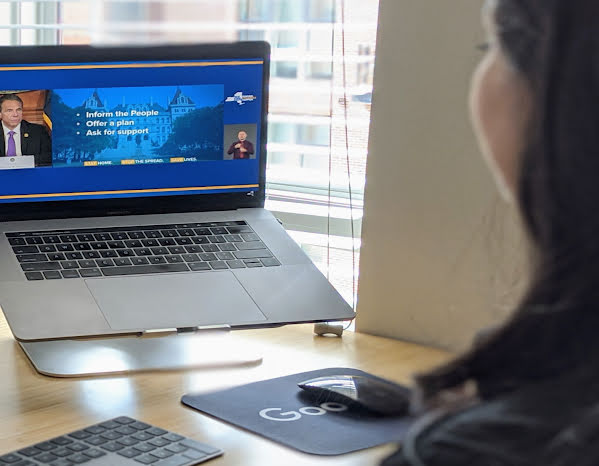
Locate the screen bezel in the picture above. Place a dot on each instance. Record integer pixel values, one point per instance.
(154, 204)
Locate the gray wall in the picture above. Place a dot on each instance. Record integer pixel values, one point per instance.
(440, 250)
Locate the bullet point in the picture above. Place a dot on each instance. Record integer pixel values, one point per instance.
(78, 124)
(78, 132)
(79, 114)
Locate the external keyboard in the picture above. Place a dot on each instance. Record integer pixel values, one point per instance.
(106, 252)
(119, 441)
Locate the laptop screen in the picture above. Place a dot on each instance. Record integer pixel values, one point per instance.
(131, 128)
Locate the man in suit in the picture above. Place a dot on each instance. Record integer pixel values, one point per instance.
(19, 137)
(242, 148)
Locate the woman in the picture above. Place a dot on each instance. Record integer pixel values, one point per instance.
(535, 108)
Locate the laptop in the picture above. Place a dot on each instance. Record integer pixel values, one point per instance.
(147, 214)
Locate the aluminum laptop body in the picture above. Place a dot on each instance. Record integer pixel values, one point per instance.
(148, 216)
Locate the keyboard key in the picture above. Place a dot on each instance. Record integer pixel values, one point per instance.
(52, 275)
(91, 254)
(86, 273)
(85, 238)
(153, 234)
(120, 235)
(199, 266)
(176, 250)
(136, 260)
(124, 420)
(236, 264)
(51, 239)
(70, 264)
(56, 256)
(61, 441)
(227, 247)
(65, 247)
(80, 434)
(99, 245)
(30, 451)
(94, 453)
(120, 261)
(253, 254)
(44, 248)
(149, 243)
(70, 274)
(39, 266)
(87, 263)
(217, 239)
(250, 237)
(224, 256)
(109, 253)
(124, 252)
(112, 446)
(167, 242)
(34, 240)
(141, 426)
(190, 257)
(239, 229)
(79, 446)
(82, 246)
(10, 458)
(128, 452)
(78, 458)
(133, 243)
(210, 248)
(34, 276)
(201, 240)
(207, 256)
(105, 263)
(23, 258)
(116, 244)
(16, 241)
(25, 249)
(161, 454)
(251, 245)
(102, 236)
(218, 265)
(174, 259)
(136, 235)
(143, 436)
(143, 269)
(73, 255)
(270, 262)
(146, 459)
(183, 240)
(157, 260)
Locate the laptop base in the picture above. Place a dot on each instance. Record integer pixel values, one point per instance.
(80, 358)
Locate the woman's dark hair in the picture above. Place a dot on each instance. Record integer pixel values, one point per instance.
(554, 45)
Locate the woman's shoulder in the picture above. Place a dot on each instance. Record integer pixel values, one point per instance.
(511, 430)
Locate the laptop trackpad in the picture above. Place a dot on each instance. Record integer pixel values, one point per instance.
(168, 301)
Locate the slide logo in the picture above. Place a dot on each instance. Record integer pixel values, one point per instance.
(274, 414)
(240, 98)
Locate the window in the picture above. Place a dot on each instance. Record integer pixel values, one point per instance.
(321, 88)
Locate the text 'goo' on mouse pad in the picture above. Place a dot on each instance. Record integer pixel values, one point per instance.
(279, 410)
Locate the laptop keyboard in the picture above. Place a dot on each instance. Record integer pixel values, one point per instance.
(119, 441)
(107, 252)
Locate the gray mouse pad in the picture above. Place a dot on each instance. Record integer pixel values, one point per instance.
(280, 411)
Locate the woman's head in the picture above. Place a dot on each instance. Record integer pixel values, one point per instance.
(535, 104)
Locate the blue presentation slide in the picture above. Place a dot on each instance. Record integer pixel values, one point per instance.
(129, 129)
(136, 125)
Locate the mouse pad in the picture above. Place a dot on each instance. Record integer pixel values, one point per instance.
(280, 411)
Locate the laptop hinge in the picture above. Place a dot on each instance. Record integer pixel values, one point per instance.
(162, 332)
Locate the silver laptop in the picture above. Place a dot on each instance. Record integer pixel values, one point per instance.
(22, 161)
(147, 213)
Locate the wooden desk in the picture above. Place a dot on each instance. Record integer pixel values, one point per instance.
(34, 408)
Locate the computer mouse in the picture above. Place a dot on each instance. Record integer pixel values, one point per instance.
(378, 396)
